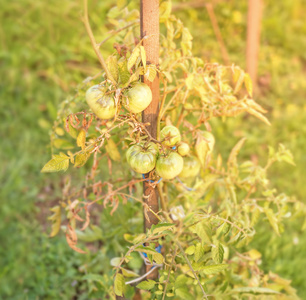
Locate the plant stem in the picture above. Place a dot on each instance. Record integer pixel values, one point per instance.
(113, 32)
(94, 43)
(192, 270)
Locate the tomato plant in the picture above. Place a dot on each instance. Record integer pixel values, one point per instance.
(200, 244)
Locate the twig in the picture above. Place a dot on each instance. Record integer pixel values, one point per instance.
(192, 270)
(94, 43)
(143, 276)
(167, 280)
(113, 32)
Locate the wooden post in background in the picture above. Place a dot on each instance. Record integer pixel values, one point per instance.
(253, 38)
(149, 27)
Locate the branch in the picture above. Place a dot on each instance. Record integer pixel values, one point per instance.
(94, 43)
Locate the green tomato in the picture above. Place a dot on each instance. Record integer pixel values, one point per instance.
(139, 98)
(183, 149)
(169, 166)
(191, 167)
(172, 135)
(142, 159)
(103, 106)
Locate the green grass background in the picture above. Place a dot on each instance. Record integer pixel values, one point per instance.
(45, 53)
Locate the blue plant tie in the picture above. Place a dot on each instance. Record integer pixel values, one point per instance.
(152, 181)
(158, 249)
(185, 187)
(174, 147)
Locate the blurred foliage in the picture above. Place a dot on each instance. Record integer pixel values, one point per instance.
(45, 53)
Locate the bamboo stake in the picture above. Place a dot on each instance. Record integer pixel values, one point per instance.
(253, 37)
(149, 29)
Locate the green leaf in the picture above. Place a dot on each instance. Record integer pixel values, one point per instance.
(161, 227)
(223, 229)
(62, 144)
(56, 164)
(272, 219)
(254, 290)
(147, 250)
(128, 273)
(94, 277)
(213, 269)
(119, 285)
(133, 58)
(184, 293)
(198, 252)
(190, 250)
(159, 259)
(115, 261)
(146, 285)
(217, 252)
(203, 230)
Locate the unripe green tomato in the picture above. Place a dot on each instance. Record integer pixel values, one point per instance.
(183, 149)
(169, 166)
(172, 134)
(103, 106)
(191, 167)
(139, 98)
(142, 159)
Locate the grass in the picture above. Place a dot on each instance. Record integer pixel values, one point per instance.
(45, 53)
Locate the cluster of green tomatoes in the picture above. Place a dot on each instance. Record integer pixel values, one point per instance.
(169, 157)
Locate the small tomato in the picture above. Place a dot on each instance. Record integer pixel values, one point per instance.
(171, 135)
(139, 98)
(169, 166)
(183, 149)
(191, 167)
(103, 106)
(142, 159)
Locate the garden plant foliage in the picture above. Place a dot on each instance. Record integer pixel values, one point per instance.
(215, 221)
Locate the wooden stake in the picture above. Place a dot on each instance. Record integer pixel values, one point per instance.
(253, 38)
(149, 28)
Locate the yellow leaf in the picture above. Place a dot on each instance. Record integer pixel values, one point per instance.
(143, 56)
(119, 285)
(232, 159)
(56, 220)
(239, 81)
(56, 164)
(81, 139)
(164, 11)
(112, 150)
(150, 72)
(112, 66)
(124, 74)
(248, 84)
(133, 58)
(81, 159)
